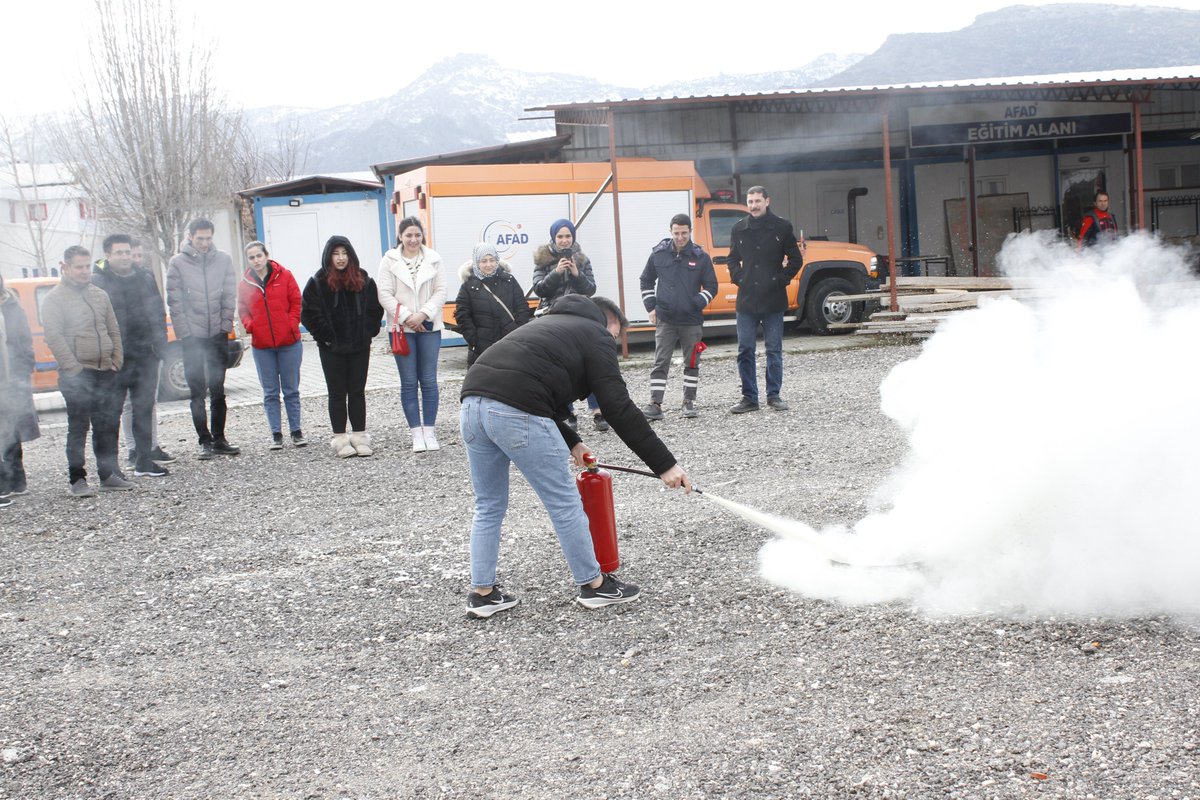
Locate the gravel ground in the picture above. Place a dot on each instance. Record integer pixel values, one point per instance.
(283, 624)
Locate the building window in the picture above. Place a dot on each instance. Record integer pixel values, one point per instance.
(985, 185)
(1179, 176)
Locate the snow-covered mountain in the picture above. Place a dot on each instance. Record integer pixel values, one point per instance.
(468, 101)
(1035, 40)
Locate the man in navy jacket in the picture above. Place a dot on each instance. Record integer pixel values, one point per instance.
(677, 284)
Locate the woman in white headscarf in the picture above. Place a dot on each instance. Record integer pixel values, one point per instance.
(490, 302)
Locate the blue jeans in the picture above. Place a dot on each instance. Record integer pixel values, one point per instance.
(593, 404)
(279, 369)
(747, 333)
(419, 368)
(496, 435)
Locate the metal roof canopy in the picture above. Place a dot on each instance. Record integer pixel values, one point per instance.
(1135, 87)
(511, 153)
(312, 184)
(1095, 86)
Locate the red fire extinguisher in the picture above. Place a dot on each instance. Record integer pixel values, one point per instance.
(595, 488)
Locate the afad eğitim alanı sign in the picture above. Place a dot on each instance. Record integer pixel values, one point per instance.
(987, 123)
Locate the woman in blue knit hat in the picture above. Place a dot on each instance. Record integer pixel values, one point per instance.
(561, 268)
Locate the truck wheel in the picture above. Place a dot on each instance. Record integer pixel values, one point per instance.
(824, 308)
(172, 383)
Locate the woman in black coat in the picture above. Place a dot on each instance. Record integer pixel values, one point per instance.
(340, 308)
(490, 302)
(20, 421)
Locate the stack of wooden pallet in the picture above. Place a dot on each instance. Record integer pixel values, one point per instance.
(925, 302)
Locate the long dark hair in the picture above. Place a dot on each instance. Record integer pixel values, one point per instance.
(350, 279)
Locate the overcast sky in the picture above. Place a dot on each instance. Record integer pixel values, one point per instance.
(317, 55)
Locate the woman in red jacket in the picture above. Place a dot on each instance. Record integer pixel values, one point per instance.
(269, 306)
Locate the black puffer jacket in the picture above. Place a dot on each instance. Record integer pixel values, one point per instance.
(560, 357)
(344, 321)
(478, 315)
(757, 251)
(139, 309)
(550, 285)
(678, 285)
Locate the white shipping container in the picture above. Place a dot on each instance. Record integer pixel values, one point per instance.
(296, 235)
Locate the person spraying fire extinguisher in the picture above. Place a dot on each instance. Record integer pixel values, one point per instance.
(515, 401)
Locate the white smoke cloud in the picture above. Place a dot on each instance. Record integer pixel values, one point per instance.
(1053, 452)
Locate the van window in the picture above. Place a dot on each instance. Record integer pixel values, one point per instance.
(721, 222)
(39, 295)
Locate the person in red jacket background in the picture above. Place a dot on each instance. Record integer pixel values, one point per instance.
(269, 307)
(1098, 226)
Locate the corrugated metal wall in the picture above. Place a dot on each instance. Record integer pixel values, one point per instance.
(808, 159)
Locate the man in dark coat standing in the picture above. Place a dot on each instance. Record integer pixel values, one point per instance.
(515, 401)
(142, 319)
(764, 257)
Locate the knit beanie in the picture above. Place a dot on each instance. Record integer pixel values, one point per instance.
(483, 249)
(559, 224)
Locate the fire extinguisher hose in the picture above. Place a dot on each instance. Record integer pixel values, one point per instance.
(633, 471)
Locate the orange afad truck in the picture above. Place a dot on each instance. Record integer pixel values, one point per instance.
(512, 206)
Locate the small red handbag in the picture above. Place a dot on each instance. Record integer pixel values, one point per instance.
(399, 342)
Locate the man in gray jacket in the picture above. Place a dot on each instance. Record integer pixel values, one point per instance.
(81, 331)
(202, 296)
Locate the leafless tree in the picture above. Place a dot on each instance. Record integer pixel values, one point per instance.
(151, 141)
(285, 157)
(280, 160)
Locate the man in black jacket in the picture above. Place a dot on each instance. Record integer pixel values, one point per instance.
(142, 319)
(515, 401)
(677, 283)
(760, 245)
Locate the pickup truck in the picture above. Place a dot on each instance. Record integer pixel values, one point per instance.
(172, 383)
(831, 270)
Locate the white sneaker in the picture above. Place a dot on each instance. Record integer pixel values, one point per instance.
(431, 442)
(418, 435)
